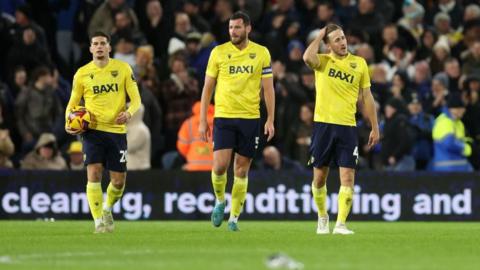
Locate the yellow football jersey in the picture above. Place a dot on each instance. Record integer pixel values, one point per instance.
(337, 83)
(105, 93)
(239, 76)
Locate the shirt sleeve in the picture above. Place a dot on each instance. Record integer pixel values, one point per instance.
(267, 65)
(365, 79)
(132, 91)
(212, 66)
(77, 93)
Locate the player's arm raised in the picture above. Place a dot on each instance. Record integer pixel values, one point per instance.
(310, 56)
(371, 112)
(269, 94)
(203, 128)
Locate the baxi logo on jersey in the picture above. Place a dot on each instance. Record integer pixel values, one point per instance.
(107, 88)
(240, 69)
(341, 75)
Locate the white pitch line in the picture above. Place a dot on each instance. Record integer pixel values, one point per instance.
(6, 259)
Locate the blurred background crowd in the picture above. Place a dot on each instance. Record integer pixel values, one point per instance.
(423, 55)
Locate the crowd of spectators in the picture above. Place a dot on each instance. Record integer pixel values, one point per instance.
(420, 54)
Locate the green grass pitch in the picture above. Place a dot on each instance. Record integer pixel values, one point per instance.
(197, 245)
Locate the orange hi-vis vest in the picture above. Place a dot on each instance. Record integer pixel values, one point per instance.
(199, 154)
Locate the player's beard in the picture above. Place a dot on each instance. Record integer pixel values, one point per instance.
(341, 52)
(240, 39)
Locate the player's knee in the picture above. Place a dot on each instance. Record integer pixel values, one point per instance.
(347, 179)
(319, 182)
(219, 169)
(94, 172)
(118, 179)
(241, 171)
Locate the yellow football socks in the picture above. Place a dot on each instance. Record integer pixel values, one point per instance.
(219, 182)
(113, 195)
(320, 198)
(239, 193)
(95, 199)
(345, 197)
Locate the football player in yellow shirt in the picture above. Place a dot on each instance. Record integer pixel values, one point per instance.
(239, 69)
(104, 84)
(341, 79)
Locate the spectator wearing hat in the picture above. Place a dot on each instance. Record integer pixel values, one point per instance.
(75, 156)
(397, 140)
(451, 146)
(422, 124)
(45, 156)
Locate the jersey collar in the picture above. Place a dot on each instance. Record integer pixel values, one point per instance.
(238, 50)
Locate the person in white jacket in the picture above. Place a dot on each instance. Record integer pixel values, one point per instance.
(139, 145)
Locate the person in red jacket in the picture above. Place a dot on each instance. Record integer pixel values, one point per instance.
(197, 153)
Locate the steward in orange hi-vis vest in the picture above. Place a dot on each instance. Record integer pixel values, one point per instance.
(198, 153)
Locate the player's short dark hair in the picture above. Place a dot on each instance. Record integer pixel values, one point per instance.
(241, 15)
(330, 28)
(100, 34)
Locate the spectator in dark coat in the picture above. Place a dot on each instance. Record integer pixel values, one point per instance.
(37, 107)
(397, 140)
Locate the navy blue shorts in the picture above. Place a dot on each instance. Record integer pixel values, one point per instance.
(107, 148)
(334, 145)
(241, 135)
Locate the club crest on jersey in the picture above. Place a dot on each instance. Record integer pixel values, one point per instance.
(252, 55)
(114, 73)
(341, 75)
(229, 56)
(91, 76)
(240, 69)
(353, 65)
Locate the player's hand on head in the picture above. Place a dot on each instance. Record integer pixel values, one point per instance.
(204, 131)
(373, 138)
(269, 130)
(123, 118)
